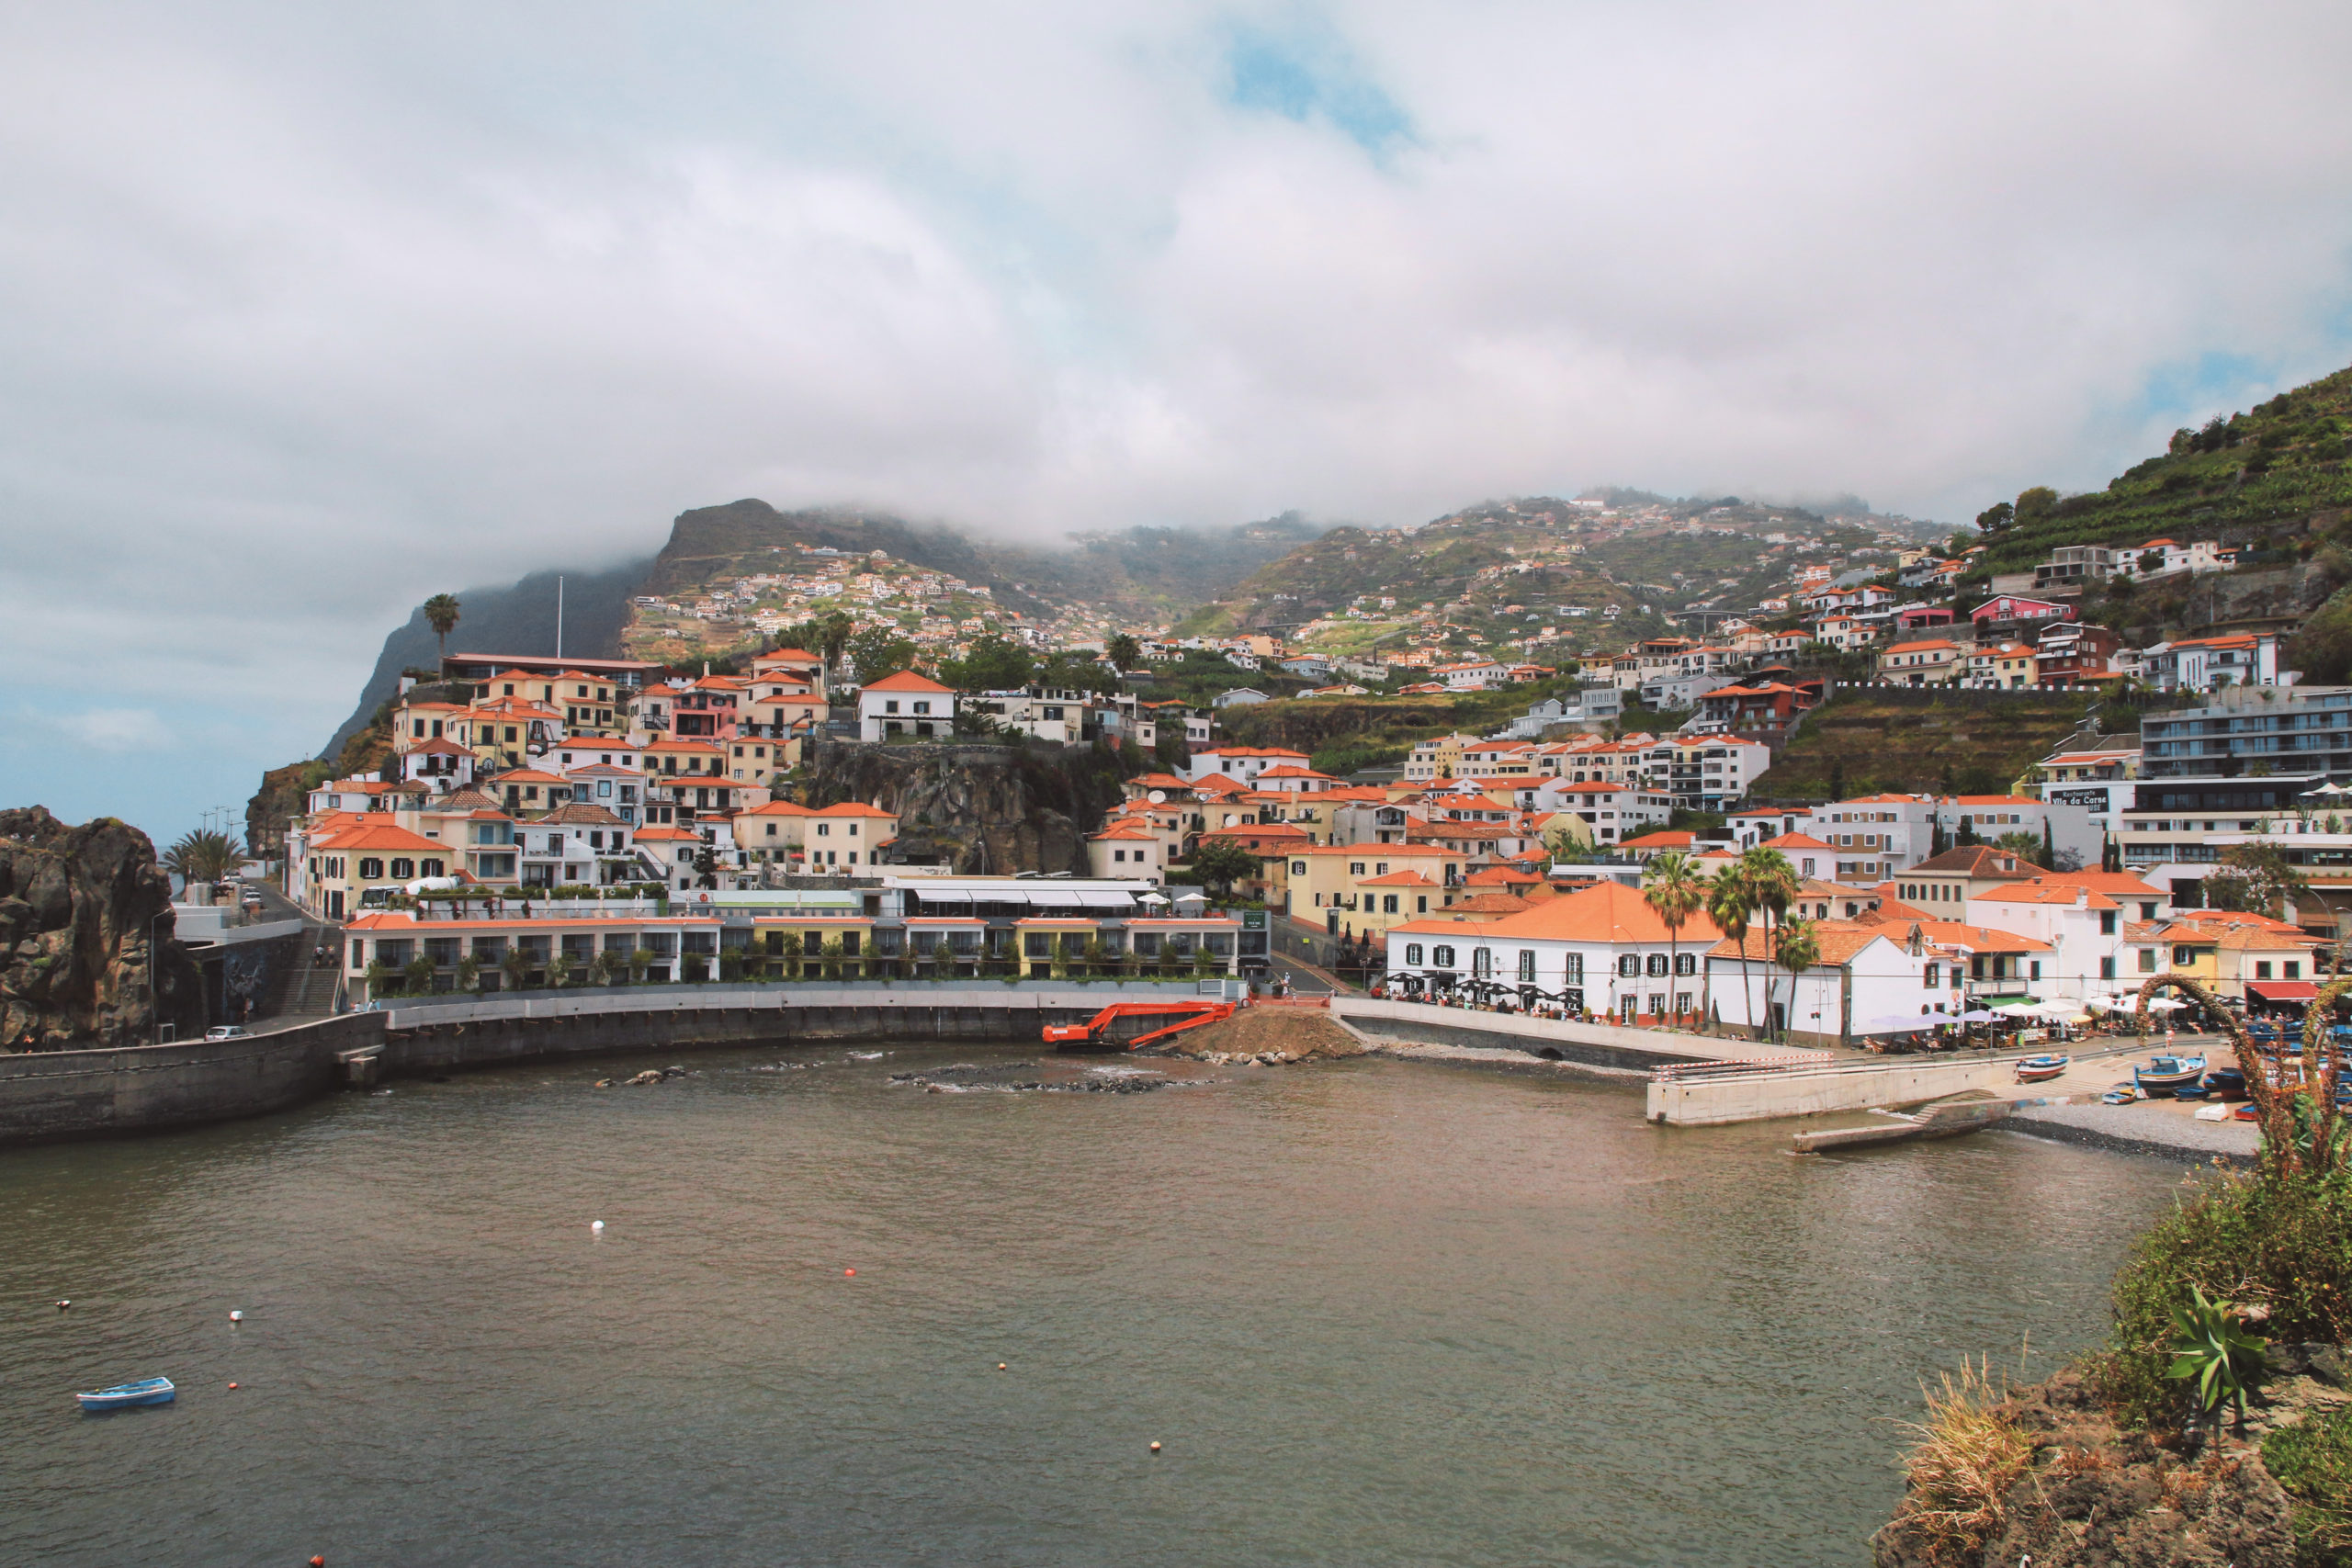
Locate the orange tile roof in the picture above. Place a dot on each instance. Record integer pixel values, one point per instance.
(378, 836)
(1604, 912)
(854, 808)
(1397, 879)
(906, 681)
(1838, 940)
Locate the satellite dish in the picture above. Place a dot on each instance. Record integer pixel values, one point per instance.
(1158, 797)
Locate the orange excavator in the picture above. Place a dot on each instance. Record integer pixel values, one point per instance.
(1094, 1034)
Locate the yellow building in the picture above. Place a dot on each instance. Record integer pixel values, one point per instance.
(1353, 889)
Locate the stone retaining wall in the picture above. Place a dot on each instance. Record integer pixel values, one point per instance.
(71, 1094)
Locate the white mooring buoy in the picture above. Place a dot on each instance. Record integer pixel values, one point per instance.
(595, 1224)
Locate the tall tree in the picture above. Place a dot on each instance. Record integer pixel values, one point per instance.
(1221, 863)
(1772, 883)
(1671, 887)
(1730, 905)
(441, 612)
(1124, 653)
(2255, 878)
(992, 664)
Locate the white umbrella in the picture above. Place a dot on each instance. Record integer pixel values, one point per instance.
(2019, 1009)
(2166, 1004)
(1977, 1015)
(2101, 1004)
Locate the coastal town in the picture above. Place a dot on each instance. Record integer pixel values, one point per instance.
(544, 821)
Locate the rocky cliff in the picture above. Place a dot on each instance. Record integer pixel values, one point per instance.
(992, 808)
(79, 908)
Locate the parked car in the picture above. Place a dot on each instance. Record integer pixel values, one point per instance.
(228, 1032)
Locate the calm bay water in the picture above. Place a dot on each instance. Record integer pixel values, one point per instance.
(1377, 1312)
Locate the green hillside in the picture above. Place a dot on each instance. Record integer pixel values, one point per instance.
(2273, 480)
(1972, 742)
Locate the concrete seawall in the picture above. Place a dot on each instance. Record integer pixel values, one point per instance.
(473, 1034)
(74, 1094)
(71, 1094)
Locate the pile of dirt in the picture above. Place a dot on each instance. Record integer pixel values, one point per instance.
(1263, 1033)
(2096, 1497)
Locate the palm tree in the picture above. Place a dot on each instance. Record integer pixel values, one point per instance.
(1774, 884)
(1124, 653)
(204, 854)
(441, 614)
(1729, 904)
(1797, 949)
(1670, 887)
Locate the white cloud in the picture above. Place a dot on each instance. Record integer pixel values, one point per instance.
(307, 312)
(113, 730)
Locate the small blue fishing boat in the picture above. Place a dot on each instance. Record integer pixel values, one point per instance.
(2121, 1094)
(2226, 1083)
(2036, 1069)
(147, 1391)
(2164, 1075)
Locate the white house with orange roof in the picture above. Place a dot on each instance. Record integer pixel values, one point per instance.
(1924, 661)
(1293, 780)
(1241, 764)
(1127, 848)
(906, 705)
(2212, 663)
(1601, 949)
(1871, 979)
(2086, 931)
(848, 833)
(796, 666)
(575, 844)
(1614, 811)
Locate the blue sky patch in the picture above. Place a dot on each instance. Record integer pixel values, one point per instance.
(1302, 78)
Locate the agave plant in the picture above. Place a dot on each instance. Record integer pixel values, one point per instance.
(2211, 1346)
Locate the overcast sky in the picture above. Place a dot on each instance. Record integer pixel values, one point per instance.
(307, 311)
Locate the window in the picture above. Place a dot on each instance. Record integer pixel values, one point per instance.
(404, 868)
(1526, 964)
(1933, 978)
(2035, 968)
(1388, 903)
(890, 704)
(2180, 958)
(1482, 962)
(1356, 868)
(2293, 971)
(1442, 956)
(1298, 868)
(1657, 962)
(1412, 952)
(2106, 922)
(1686, 963)
(2147, 961)
(370, 867)
(1630, 964)
(2262, 970)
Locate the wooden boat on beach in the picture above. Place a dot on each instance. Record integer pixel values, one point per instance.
(2163, 1077)
(147, 1391)
(2038, 1069)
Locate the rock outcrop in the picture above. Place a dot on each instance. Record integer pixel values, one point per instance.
(79, 910)
(992, 808)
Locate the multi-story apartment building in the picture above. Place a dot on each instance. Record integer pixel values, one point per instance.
(2247, 730)
(1705, 772)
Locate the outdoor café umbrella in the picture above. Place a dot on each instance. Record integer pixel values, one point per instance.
(1978, 1015)
(2166, 1004)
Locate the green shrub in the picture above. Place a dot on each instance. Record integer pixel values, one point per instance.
(2284, 1245)
(2312, 1459)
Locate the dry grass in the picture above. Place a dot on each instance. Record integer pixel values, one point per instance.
(1968, 1453)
